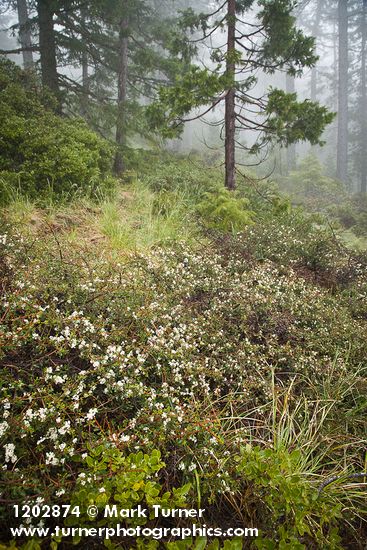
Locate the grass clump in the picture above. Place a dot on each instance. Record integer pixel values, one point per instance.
(140, 218)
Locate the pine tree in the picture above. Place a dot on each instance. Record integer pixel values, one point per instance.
(123, 49)
(266, 40)
(291, 149)
(122, 93)
(363, 98)
(315, 33)
(25, 37)
(342, 151)
(357, 95)
(133, 46)
(23, 28)
(47, 46)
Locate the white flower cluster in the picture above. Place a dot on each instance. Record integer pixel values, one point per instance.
(154, 350)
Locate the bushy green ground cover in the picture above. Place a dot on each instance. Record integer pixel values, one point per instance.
(312, 188)
(238, 356)
(45, 156)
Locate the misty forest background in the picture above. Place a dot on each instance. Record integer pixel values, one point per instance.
(183, 268)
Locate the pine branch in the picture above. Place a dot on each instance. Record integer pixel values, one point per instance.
(20, 50)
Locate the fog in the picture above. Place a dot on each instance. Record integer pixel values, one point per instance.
(318, 18)
(337, 81)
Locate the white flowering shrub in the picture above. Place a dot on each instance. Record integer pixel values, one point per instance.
(173, 350)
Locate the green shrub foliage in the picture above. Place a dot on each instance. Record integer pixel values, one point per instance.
(183, 350)
(352, 214)
(222, 210)
(43, 152)
(294, 510)
(310, 186)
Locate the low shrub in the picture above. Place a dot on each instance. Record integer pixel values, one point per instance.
(44, 154)
(199, 351)
(352, 214)
(189, 177)
(173, 350)
(311, 187)
(222, 210)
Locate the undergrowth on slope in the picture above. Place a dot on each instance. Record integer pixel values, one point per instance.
(165, 341)
(240, 359)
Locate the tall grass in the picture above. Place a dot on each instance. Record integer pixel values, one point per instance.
(140, 219)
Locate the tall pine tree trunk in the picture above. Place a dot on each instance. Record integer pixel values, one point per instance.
(290, 86)
(315, 33)
(342, 149)
(25, 33)
(47, 46)
(230, 115)
(335, 65)
(122, 96)
(85, 75)
(363, 106)
(85, 84)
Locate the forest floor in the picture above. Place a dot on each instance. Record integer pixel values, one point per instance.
(149, 357)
